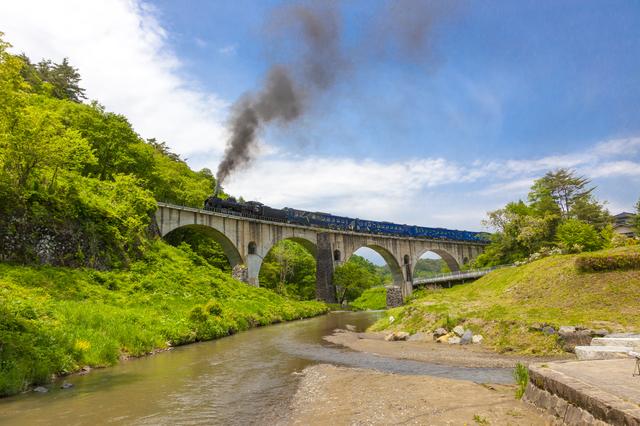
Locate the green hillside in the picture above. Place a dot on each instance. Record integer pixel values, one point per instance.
(508, 305)
(55, 320)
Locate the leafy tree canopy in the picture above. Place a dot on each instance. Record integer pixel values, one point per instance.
(560, 204)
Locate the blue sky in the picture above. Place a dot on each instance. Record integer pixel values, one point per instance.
(506, 91)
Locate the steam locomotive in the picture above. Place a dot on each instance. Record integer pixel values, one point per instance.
(258, 210)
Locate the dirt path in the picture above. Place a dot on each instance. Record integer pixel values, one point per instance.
(429, 351)
(348, 396)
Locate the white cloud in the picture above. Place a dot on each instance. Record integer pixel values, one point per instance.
(625, 146)
(616, 168)
(122, 53)
(341, 185)
(509, 187)
(228, 50)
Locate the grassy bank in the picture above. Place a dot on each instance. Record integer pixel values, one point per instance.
(57, 320)
(507, 306)
(371, 298)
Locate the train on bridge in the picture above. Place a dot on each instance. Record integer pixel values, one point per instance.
(255, 209)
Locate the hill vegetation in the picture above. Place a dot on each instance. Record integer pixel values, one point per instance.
(55, 320)
(373, 298)
(84, 280)
(509, 306)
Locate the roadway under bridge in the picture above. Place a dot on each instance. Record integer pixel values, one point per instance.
(246, 241)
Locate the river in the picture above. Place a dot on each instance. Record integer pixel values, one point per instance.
(242, 379)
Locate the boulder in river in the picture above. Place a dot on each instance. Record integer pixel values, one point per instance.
(454, 340)
(41, 389)
(351, 327)
(66, 385)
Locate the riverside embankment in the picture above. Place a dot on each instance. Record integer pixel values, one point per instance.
(247, 378)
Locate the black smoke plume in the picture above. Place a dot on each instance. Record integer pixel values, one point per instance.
(313, 34)
(312, 57)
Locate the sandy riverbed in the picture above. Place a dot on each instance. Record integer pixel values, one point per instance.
(429, 351)
(350, 396)
(339, 396)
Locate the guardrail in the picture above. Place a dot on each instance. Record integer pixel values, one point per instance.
(457, 276)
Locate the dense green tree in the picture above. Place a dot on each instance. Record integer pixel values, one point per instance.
(562, 191)
(77, 183)
(290, 270)
(60, 80)
(355, 276)
(429, 267)
(555, 199)
(575, 236)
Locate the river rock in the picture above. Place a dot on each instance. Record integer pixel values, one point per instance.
(417, 337)
(601, 332)
(459, 330)
(439, 332)
(454, 340)
(477, 338)
(566, 329)
(351, 327)
(466, 337)
(397, 336)
(41, 389)
(66, 385)
(569, 340)
(444, 339)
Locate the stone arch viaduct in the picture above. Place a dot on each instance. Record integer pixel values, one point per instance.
(246, 241)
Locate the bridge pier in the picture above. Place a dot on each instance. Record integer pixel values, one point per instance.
(325, 290)
(254, 262)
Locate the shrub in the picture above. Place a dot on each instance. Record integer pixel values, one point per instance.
(575, 236)
(608, 262)
(372, 298)
(521, 376)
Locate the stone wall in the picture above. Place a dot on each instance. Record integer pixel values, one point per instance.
(394, 296)
(241, 273)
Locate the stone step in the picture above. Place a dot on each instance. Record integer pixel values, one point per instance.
(602, 352)
(629, 342)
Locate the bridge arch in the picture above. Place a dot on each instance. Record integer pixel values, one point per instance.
(448, 258)
(389, 258)
(256, 260)
(230, 250)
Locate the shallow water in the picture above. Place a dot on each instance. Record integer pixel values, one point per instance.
(242, 379)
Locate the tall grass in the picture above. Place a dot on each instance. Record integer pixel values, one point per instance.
(372, 298)
(57, 320)
(521, 376)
